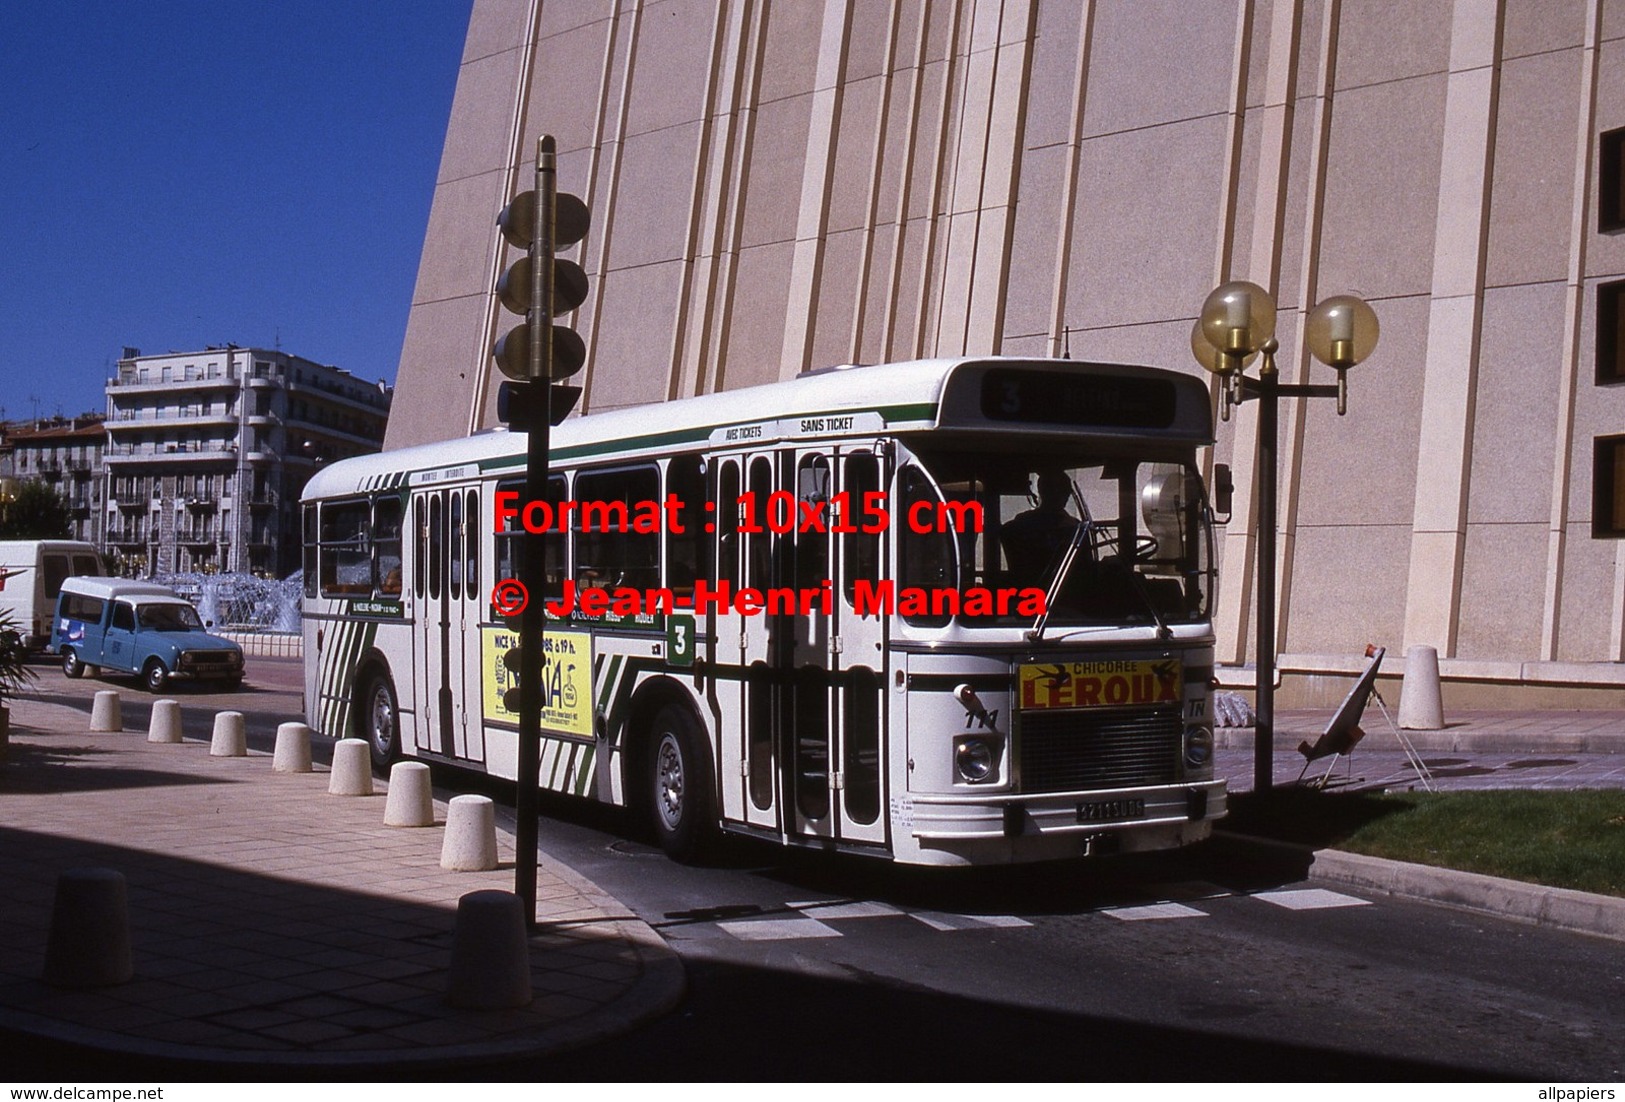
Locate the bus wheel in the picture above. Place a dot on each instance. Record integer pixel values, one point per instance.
(71, 666)
(683, 808)
(381, 721)
(155, 676)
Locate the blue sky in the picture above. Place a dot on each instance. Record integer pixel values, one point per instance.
(178, 173)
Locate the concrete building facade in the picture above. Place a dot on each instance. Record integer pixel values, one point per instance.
(66, 454)
(207, 453)
(788, 184)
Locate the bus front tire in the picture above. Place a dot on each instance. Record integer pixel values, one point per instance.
(381, 721)
(681, 804)
(71, 666)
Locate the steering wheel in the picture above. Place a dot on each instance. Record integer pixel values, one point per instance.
(1103, 540)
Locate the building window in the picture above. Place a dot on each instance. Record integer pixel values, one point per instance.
(1608, 487)
(1611, 182)
(1610, 333)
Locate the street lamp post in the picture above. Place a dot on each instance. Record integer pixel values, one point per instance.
(1237, 323)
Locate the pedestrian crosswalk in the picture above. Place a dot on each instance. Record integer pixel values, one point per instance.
(833, 918)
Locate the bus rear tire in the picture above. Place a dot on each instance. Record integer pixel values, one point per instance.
(682, 805)
(380, 721)
(71, 666)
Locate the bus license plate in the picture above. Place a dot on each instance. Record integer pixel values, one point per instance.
(1110, 811)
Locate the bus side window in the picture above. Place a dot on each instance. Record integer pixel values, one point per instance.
(862, 551)
(471, 569)
(346, 563)
(386, 543)
(510, 541)
(727, 522)
(609, 552)
(454, 578)
(686, 558)
(310, 550)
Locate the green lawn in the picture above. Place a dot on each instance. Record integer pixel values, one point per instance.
(1562, 839)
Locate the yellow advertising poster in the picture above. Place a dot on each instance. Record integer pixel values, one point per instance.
(1100, 684)
(566, 679)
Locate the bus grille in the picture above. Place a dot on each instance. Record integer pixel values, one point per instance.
(1098, 748)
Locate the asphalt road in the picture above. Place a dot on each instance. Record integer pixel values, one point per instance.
(1178, 967)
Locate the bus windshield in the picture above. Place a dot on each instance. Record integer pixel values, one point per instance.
(1133, 535)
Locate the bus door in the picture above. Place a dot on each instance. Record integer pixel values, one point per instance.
(802, 642)
(446, 583)
(833, 722)
(744, 557)
(858, 645)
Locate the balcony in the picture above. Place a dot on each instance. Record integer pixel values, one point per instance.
(120, 454)
(195, 537)
(132, 386)
(127, 537)
(202, 503)
(127, 419)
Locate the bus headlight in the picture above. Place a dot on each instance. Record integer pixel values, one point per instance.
(1198, 747)
(976, 759)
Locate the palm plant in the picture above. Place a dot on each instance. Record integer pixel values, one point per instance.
(14, 672)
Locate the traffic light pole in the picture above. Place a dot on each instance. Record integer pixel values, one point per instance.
(532, 562)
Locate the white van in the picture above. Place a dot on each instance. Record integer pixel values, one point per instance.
(31, 575)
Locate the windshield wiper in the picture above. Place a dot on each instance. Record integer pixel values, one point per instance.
(1164, 632)
(1081, 535)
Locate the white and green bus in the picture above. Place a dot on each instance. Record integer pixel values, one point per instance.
(949, 612)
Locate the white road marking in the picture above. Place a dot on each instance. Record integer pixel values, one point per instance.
(778, 929)
(829, 908)
(1311, 899)
(939, 921)
(1153, 911)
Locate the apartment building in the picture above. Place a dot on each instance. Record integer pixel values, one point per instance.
(208, 451)
(65, 453)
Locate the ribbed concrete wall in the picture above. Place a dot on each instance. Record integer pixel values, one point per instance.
(803, 182)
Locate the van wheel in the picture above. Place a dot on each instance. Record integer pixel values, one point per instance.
(155, 676)
(681, 803)
(71, 666)
(380, 721)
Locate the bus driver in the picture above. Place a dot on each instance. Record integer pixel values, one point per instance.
(1034, 541)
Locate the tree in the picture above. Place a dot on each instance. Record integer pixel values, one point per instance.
(34, 510)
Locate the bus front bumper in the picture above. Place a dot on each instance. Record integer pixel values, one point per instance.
(1119, 820)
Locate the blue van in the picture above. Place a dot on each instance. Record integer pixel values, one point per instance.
(139, 628)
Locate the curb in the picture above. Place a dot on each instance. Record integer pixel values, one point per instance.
(1535, 904)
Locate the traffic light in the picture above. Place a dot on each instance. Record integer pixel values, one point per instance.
(563, 286)
(512, 661)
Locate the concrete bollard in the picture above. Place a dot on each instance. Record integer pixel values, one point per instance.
(411, 800)
(470, 844)
(490, 953)
(230, 736)
(89, 942)
(352, 769)
(1421, 708)
(166, 721)
(105, 712)
(292, 754)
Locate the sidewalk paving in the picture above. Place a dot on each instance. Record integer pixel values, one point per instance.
(1561, 750)
(271, 922)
